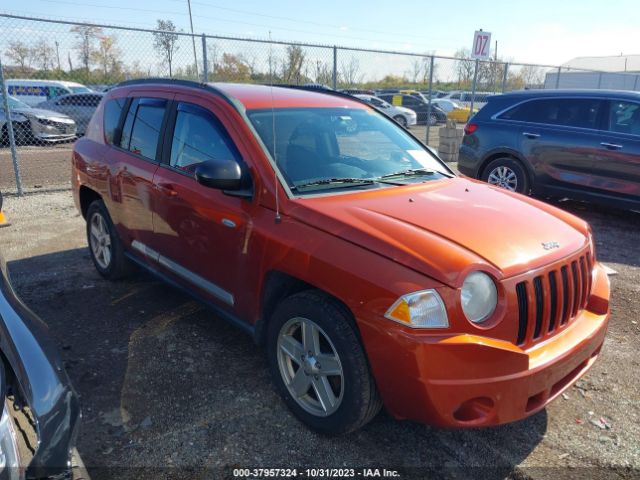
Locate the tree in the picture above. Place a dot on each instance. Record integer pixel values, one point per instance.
(233, 68)
(165, 41)
(107, 55)
(350, 72)
(86, 35)
(531, 75)
(416, 70)
(293, 64)
(465, 67)
(43, 54)
(20, 54)
(323, 73)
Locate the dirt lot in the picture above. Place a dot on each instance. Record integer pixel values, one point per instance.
(166, 385)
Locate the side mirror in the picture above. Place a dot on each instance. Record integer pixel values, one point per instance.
(221, 175)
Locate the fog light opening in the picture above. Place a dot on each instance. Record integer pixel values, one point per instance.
(476, 410)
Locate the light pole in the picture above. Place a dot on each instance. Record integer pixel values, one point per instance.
(193, 38)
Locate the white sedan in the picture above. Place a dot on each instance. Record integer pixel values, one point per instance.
(404, 116)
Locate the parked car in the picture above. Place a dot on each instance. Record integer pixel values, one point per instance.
(34, 91)
(464, 98)
(454, 110)
(359, 91)
(36, 125)
(3, 218)
(402, 115)
(40, 410)
(417, 105)
(78, 106)
(569, 143)
(342, 244)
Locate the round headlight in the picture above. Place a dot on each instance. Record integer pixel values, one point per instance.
(479, 297)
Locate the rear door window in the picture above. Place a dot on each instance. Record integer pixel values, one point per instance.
(112, 114)
(141, 131)
(624, 117)
(570, 112)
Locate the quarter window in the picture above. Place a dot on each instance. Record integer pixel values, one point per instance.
(624, 117)
(570, 112)
(112, 113)
(198, 137)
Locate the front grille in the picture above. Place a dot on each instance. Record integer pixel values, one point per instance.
(549, 302)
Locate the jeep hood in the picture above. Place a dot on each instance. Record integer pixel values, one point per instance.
(445, 228)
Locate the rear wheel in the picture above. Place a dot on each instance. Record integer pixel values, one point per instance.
(105, 246)
(433, 119)
(507, 173)
(401, 120)
(319, 366)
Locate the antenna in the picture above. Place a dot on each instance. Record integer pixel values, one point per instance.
(273, 133)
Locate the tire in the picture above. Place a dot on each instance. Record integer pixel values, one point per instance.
(401, 120)
(356, 398)
(507, 173)
(433, 119)
(105, 246)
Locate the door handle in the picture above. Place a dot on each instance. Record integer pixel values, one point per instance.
(167, 189)
(611, 146)
(531, 135)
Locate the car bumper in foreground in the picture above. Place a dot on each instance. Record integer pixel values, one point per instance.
(473, 381)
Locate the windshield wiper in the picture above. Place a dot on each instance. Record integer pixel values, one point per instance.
(410, 172)
(347, 181)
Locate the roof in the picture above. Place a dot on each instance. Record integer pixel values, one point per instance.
(255, 97)
(617, 63)
(43, 81)
(581, 92)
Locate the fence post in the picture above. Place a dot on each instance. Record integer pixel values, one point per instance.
(473, 88)
(335, 67)
(12, 138)
(599, 80)
(205, 62)
(430, 96)
(558, 78)
(635, 83)
(504, 77)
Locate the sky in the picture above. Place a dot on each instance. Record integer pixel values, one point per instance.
(546, 31)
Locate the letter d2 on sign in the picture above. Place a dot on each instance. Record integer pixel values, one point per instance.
(481, 45)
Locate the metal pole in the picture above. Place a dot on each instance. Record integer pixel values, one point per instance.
(335, 67)
(430, 95)
(504, 77)
(635, 83)
(473, 88)
(193, 38)
(12, 138)
(205, 62)
(599, 80)
(558, 78)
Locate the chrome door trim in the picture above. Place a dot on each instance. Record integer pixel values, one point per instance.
(184, 273)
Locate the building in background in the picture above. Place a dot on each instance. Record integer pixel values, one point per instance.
(621, 72)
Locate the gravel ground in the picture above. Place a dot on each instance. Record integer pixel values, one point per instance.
(167, 386)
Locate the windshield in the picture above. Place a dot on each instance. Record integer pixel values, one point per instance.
(79, 89)
(14, 103)
(320, 146)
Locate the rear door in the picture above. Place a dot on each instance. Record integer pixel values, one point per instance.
(616, 170)
(134, 159)
(560, 138)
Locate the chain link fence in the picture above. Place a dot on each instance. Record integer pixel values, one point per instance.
(54, 73)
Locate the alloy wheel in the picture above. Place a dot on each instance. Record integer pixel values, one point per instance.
(100, 240)
(503, 177)
(310, 367)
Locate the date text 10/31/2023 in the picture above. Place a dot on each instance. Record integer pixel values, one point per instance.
(256, 473)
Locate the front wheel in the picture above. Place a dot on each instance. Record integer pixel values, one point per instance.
(401, 120)
(319, 366)
(105, 245)
(507, 173)
(433, 119)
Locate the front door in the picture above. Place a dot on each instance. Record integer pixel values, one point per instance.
(200, 232)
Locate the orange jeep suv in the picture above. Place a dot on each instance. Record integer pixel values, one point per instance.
(372, 274)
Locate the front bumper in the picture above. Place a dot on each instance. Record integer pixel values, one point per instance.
(53, 131)
(469, 380)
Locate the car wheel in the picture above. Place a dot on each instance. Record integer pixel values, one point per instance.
(319, 366)
(105, 246)
(401, 120)
(433, 119)
(507, 173)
